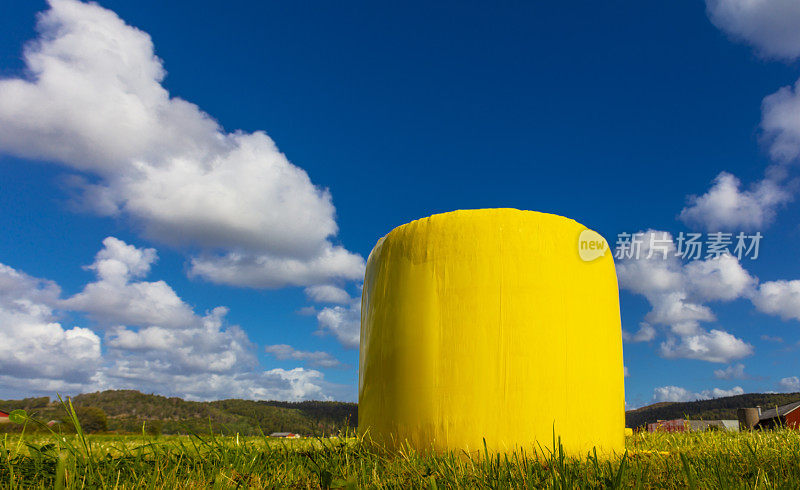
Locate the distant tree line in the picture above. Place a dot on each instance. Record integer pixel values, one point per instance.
(130, 411)
(714, 409)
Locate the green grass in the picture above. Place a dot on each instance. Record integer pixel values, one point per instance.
(707, 460)
(700, 460)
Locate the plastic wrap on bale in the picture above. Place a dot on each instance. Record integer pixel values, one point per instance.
(488, 325)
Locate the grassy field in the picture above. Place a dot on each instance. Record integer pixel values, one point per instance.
(707, 460)
(699, 460)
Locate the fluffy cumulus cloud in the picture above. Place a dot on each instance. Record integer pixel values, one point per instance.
(731, 372)
(37, 351)
(718, 279)
(769, 25)
(672, 394)
(162, 354)
(339, 316)
(93, 100)
(325, 293)
(677, 294)
(153, 340)
(780, 298)
(116, 298)
(208, 346)
(781, 123)
(676, 291)
(265, 271)
(646, 333)
(275, 384)
(713, 346)
(726, 207)
(791, 383)
(343, 322)
(679, 394)
(321, 359)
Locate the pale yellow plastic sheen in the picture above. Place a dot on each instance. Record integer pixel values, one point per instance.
(487, 324)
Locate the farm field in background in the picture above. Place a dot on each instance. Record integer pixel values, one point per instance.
(756, 459)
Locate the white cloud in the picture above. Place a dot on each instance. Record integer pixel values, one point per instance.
(116, 299)
(781, 298)
(672, 394)
(718, 279)
(720, 393)
(731, 372)
(325, 293)
(677, 292)
(178, 357)
(275, 384)
(93, 101)
(769, 25)
(646, 333)
(791, 383)
(154, 342)
(344, 322)
(714, 346)
(14, 387)
(781, 123)
(264, 271)
(205, 347)
(320, 359)
(307, 311)
(725, 207)
(21, 291)
(770, 338)
(174, 349)
(662, 281)
(35, 347)
(679, 312)
(625, 371)
(679, 394)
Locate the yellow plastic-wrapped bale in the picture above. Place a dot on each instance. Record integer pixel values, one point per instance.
(489, 324)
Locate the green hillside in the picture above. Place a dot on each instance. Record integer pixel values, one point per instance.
(717, 408)
(128, 411)
(132, 411)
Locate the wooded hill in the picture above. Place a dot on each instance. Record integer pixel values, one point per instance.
(714, 409)
(132, 411)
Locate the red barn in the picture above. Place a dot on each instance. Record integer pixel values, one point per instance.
(3, 417)
(676, 425)
(786, 416)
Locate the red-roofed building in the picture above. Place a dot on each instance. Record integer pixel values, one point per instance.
(286, 435)
(3, 417)
(676, 425)
(783, 416)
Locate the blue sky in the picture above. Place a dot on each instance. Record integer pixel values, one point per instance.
(610, 113)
